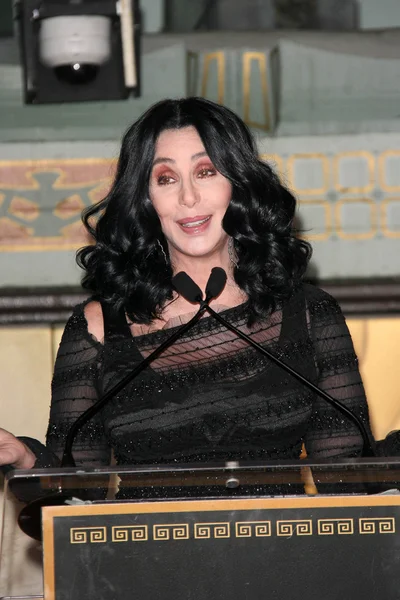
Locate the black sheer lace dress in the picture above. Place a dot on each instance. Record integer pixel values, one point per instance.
(210, 397)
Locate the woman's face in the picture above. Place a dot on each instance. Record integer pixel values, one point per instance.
(189, 195)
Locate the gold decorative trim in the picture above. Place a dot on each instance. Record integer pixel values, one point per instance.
(261, 60)
(84, 535)
(19, 236)
(365, 235)
(335, 526)
(138, 533)
(387, 232)
(363, 189)
(23, 208)
(250, 528)
(69, 207)
(165, 530)
(44, 244)
(372, 525)
(219, 57)
(209, 530)
(324, 235)
(290, 527)
(192, 58)
(53, 166)
(381, 170)
(325, 173)
(94, 174)
(221, 530)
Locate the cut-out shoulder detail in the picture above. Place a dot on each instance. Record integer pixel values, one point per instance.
(95, 320)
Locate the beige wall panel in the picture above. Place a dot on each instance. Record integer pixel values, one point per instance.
(377, 343)
(56, 334)
(26, 366)
(21, 561)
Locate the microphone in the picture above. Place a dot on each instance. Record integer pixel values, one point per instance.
(186, 287)
(216, 282)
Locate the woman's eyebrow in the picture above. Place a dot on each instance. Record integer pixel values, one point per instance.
(199, 154)
(162, 159)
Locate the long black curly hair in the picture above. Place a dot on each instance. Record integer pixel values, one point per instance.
(125, 266)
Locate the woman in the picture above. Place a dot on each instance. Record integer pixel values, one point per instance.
(190, 193)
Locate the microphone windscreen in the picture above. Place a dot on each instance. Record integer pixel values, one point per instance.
(186, 287)
(216, 283)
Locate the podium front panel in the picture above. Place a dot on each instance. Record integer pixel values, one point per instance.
(318, 547)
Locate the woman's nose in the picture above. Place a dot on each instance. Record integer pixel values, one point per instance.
(189, 195)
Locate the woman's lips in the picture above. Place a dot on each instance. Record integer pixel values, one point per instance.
(196, 224)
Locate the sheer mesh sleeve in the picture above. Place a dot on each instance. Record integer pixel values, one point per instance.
(331, 434)
(74, 389)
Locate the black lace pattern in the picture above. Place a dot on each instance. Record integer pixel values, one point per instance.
(211, 396)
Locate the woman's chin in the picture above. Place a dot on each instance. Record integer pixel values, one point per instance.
(197, 252)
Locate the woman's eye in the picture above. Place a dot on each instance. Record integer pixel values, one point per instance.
(164, 179)
(206, 172)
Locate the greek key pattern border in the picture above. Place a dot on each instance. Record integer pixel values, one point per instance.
(284, 528)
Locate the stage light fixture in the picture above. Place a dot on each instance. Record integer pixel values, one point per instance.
(79, 50)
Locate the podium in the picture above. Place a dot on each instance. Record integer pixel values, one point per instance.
(288, 530)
